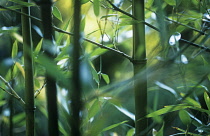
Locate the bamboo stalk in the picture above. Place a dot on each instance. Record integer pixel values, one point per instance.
(28, 63)
(139, 64)
(51, 90)
(76, 103)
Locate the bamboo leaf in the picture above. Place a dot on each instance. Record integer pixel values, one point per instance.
(114, 125)
(57, 13)
(160, 132)
(184, 117)
(20, 2)
(106, 78)
(60, 36)
(96, 7)
(131, 132)
(149, 3)
(190, 101)
(207, 100)
(99, 51)
(20, 67)
(19, 118)
(168, 109)
(82, 26)
(94, 109)
(14, 49)
(84, 1)
(38, 47)
(95, 74)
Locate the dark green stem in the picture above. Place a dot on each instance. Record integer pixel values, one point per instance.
(76, 103)
(28, 63)
(51, 91)
(139, 64)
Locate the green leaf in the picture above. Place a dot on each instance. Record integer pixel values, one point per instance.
(206, 64)
(19, 118)
(53, 70)
(95, 74)
(160, 132)
(190, 101)
(149, 3)
(96, 7)
(99, 51)
(131, 132)
(84, 1)
(106, 78)
(94, 109)
(113, 126)
(20, 2)
(83, 23)
(60, 36)
(168, 109)
(38, 47)
(184, 117)
(14, 49)
(57, 13)
(171, 2)
(207, 100)
(20, 67)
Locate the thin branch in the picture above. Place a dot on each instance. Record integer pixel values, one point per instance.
(195, 45)
(13, 93)
(37, 92)
(69, 33)
(155, 28)
(151, 26)
(8, 92)
(98, 44)
(179, 23)
(108, 48)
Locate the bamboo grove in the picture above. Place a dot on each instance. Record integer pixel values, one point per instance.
(104, 67)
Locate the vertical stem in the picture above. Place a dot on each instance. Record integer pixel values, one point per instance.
(11, 106)
(76, 103)
(28, 63)
(139, 64)
(51, 90)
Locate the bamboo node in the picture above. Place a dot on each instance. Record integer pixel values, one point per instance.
(140, 61)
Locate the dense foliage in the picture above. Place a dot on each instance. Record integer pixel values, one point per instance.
(177, 40)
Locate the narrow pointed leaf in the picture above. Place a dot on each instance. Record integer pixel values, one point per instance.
(207, 100)
(131, 132)
(168, 109)
(20, 67)
(57, 13)
(106, 78)
(38, 47)
(184, 117)
(14, 49)
(96, 7)
(113, 126)
(20, 2)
